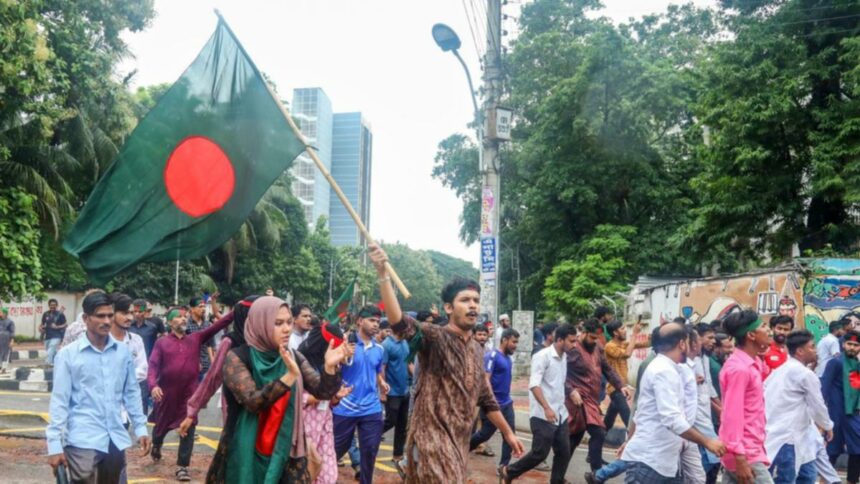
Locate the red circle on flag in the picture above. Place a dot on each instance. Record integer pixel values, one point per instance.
(199, 176)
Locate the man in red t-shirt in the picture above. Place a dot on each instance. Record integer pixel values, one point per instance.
(777, 354)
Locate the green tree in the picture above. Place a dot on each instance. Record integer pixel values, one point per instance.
(575, 285)
(418, 273)
(781, 163)
(20, 267)
(449, 267)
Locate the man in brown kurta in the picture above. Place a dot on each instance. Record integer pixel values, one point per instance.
(451, 384)
(586, 364)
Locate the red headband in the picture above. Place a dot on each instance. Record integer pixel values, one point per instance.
(852, 337)
(328, 337)
(247, 304)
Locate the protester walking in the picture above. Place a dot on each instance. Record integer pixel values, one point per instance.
(742, 426)
(548, 414)
(174, 369)
(94, 379)
(839, 384)
(618, 351)
(793, 399)
(660, 424)
(53, 327)
(264, 440)
(451, 385)
(7, 339)
(498, 366)
(361, 410)
(396, 368)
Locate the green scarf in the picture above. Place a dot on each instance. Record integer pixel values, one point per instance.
(851, 394)
(244, 464)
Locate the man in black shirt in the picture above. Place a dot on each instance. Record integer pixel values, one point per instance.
(53, 327)
(140, 326)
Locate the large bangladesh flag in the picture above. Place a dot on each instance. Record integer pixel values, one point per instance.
(193, 169)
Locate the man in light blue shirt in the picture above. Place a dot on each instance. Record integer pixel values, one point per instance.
(93, 379)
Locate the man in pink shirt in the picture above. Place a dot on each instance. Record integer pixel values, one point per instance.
(742, 428)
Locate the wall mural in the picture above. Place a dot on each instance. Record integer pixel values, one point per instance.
(832, 289)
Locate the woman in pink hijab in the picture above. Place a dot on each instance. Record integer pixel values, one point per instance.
(263, 440)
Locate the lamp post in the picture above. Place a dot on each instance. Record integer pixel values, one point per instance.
(488, 148)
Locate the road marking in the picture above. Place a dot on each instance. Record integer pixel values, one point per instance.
(25, 394)
(28, 429)
(213, 444)
(43, 415)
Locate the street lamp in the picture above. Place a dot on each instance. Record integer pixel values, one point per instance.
(448, 41)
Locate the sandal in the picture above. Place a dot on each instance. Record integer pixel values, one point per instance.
(503, 475)
(182, 474)
(486, 451)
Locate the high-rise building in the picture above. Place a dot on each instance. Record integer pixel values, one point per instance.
(344, 143)
(351, 155)
(311, 108)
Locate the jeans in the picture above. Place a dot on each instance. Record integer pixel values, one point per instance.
(783, 468)
(595, 445)
(186, 446)
(51, 346)
(613, 469)
(488, 429)
(617, 406)
(639, 473)
(354, 454)
(545, 436)
(369, 435)
(397, 417)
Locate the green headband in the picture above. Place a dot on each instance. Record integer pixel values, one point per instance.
(173, 314)
(748, 329)
(4, 310)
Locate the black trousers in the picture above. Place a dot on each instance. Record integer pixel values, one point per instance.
(186, 446)
(397, 417)
(617, 406)
(595, 445)
(545, 436)
(853, 466)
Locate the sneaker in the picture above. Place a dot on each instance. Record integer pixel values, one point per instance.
(400, 465)
(182, 475)
(155, 453)
(486, 451)
(543, 467)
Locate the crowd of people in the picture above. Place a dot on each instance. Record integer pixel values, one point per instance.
(752, 400)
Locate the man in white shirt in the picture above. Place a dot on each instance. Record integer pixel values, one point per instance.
(660, 421)
(547, 411)
(504, 323)
(793, 400)
(302, 317)
(691, 459)
(706, 392)
(828, 347)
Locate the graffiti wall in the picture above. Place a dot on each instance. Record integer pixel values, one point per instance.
(767, 293)
(831, 290)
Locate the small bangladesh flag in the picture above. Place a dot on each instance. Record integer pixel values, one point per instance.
(193, 169)
(338, 311)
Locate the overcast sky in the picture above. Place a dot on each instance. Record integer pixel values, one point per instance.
(373, 56)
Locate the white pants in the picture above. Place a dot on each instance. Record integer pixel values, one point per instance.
(691, 464)
(822, 464)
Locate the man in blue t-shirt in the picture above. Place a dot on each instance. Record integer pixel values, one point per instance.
(397, 400)
(362, 408)
(498, 367)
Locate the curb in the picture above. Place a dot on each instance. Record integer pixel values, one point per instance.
(29, 355)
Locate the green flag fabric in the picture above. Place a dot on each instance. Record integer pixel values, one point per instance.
(192, 171)
(341, 306)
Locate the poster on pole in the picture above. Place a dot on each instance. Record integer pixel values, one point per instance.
(488, 258)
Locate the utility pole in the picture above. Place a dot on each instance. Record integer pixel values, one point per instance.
(489, 160)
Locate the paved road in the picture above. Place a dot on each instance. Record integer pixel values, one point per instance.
(22, 413)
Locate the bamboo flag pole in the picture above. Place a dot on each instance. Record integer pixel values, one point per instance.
(312, 153)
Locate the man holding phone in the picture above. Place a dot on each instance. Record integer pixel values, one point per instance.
(362, 408)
